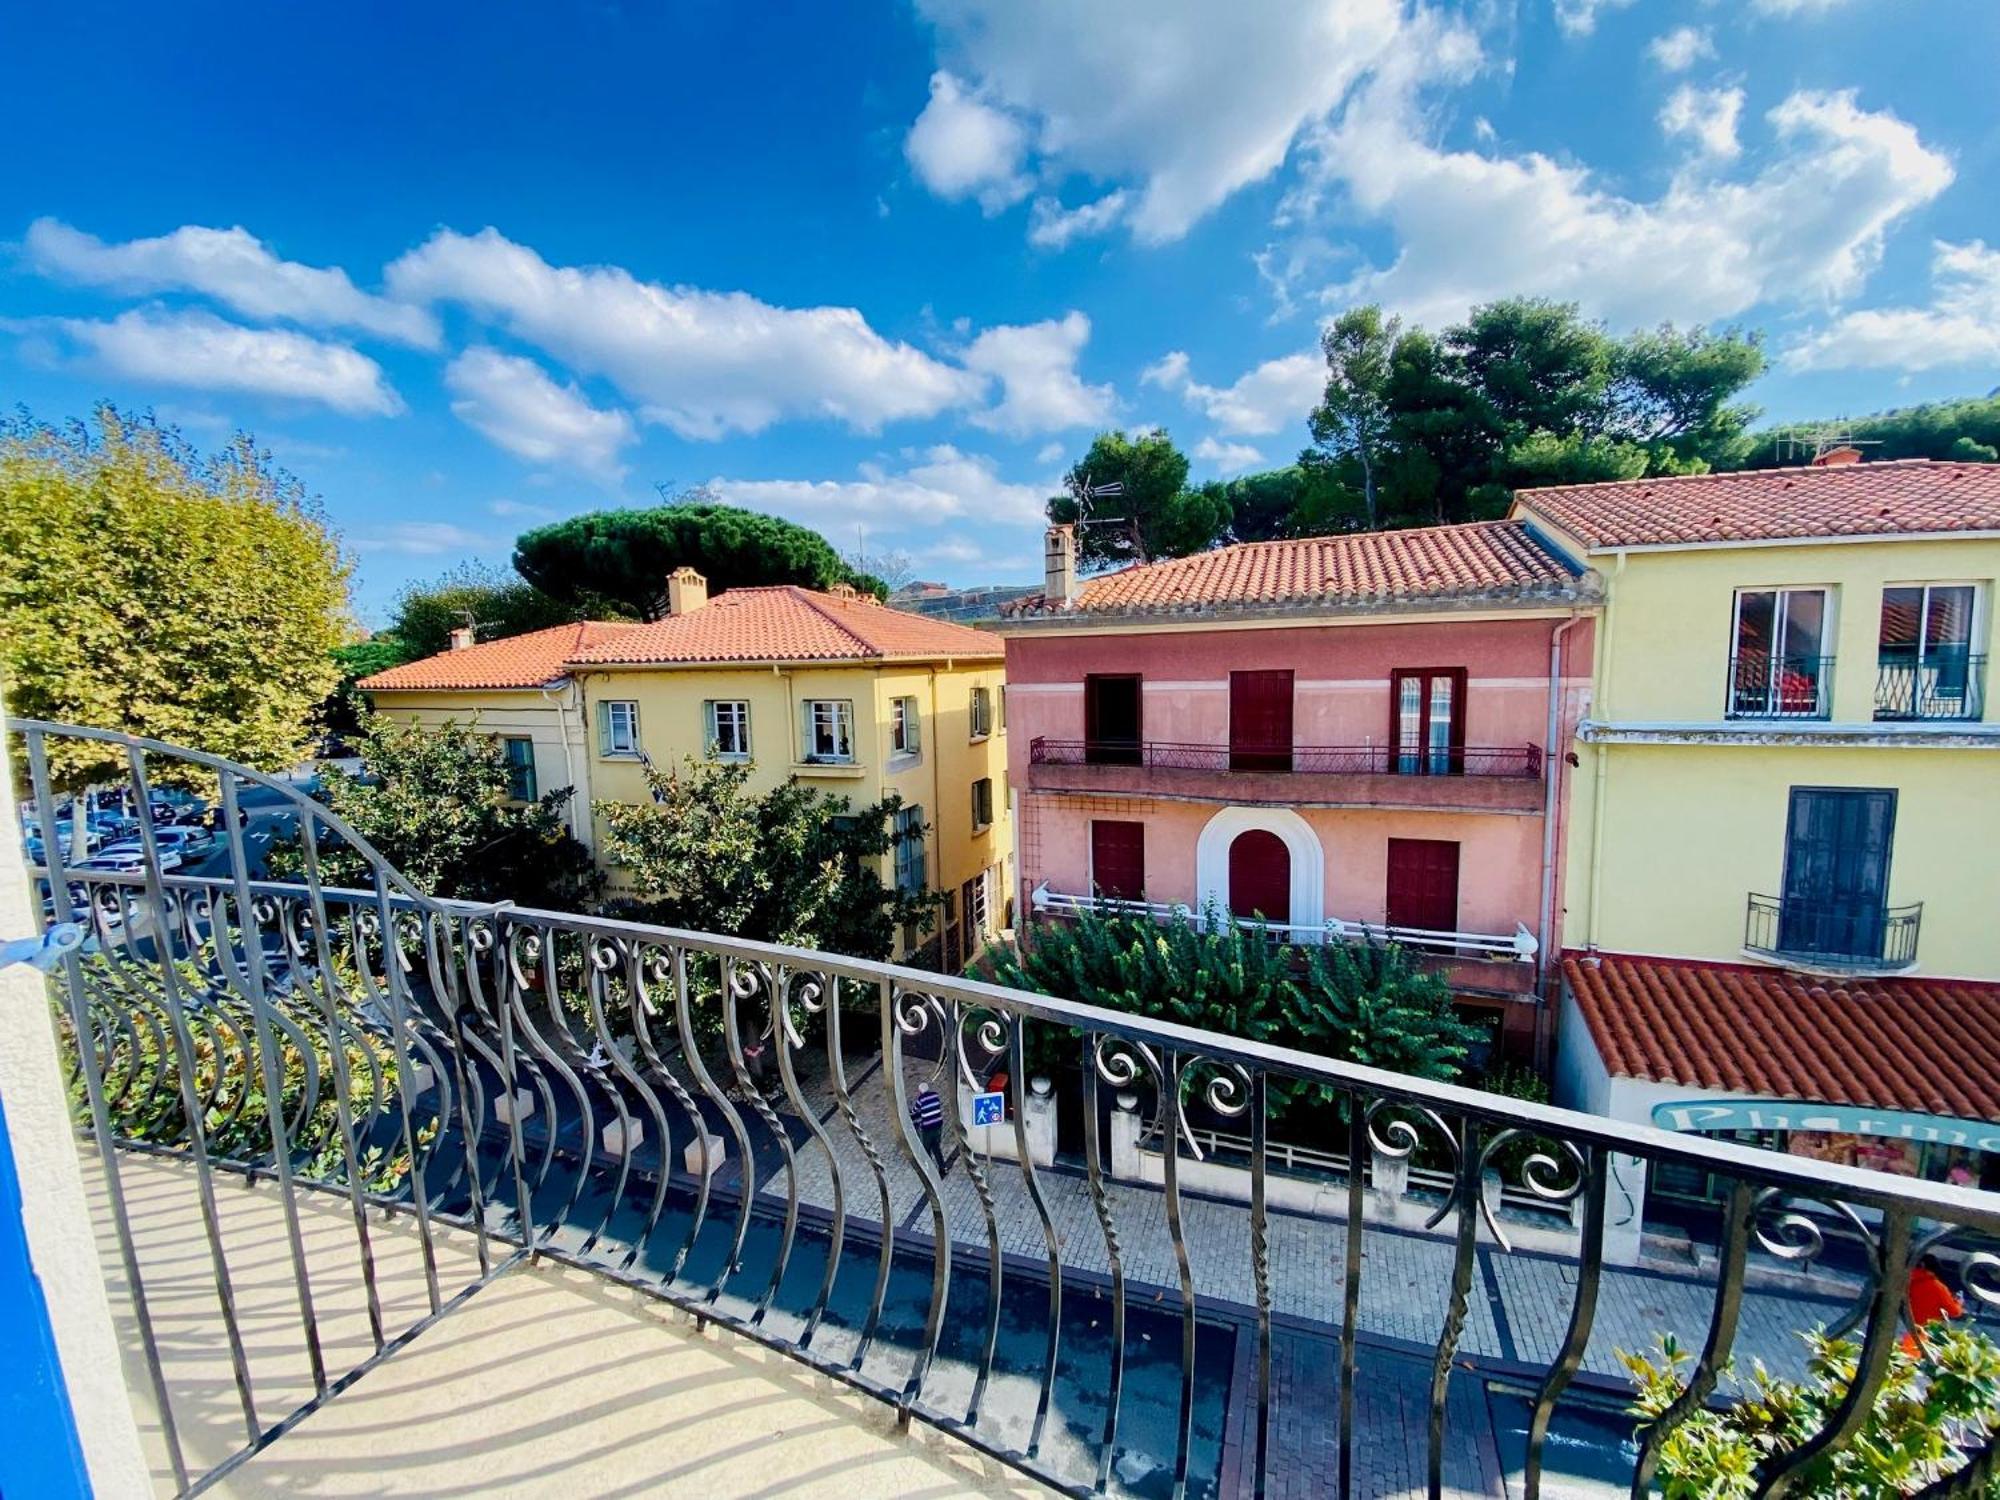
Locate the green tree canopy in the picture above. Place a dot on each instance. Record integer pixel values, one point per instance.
(493, 602)
(620, 559)
(433, 802)
(146, 588)
(795, 865)
(1156, 515)
(1967, 431)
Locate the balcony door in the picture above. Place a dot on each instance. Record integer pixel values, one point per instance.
(1260, 721)
(1836, 893)
(1260, 876)
(1781, 663)
(1423, 884)
(1111, 720)
(1427, 722)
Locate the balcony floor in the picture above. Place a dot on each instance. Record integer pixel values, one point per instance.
(545, 1383)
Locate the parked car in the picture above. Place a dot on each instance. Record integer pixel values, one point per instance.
(128, 857)
(190, 842)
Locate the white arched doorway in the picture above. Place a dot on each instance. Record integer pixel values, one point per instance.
(1308, 859)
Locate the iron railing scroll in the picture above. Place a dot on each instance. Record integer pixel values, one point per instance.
(726, 1126)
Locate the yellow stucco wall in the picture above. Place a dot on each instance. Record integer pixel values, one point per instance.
(551, 720)
(1690, 830)
(938, 779)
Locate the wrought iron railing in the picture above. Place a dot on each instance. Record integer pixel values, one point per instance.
(1520, 761)
(1519, 944)
(1763, 686)
(1949, 684)
(1859, 936)
(727, 1126)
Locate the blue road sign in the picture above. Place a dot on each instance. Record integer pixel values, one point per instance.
(989, 1109)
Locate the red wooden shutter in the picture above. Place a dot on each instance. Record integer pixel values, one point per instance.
(1260, 721)
(1260, 876)
(1118, 859)
(1423, 884)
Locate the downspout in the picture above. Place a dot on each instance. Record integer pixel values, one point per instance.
(1552, 766)
(572, 690)
(1600, 708)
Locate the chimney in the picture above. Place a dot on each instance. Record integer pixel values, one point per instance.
(461, 638)
(1059, 566)
(687, 591)
(843, 591)
(1835, 457)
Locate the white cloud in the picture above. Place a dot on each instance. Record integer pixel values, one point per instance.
(1789, 9)
(1035, 364)
(424, 539)
(962, 147)
(1051, 453)
(1579, 17)
(1961, 326)
(520, 510)
(513, 403)
(938, 486)
(1808, 225)
(1275, 396)
(703, 363)
(1680, 49)
(1124, 91)
(1707, 118)
(232, 266)
(1228, 458)
(1051, 226)
(199, 351)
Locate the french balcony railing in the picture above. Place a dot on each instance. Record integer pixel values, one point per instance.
(1517, 761)
(1520, 944)
(1860, 937)
(1762, 686)
(1949, 684)
(726, 1127)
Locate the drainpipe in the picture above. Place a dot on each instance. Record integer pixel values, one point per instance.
(1552, 766)
(1601, 757)
(560, 698)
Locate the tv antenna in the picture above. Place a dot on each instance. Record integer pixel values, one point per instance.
(1085, 492)
(1810, 442)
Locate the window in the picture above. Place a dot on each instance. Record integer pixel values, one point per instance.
(906, 837)
(1925, 665)
(520, 769)
(1111, 720)
(905, 727)
(1836, 891)
(1260, 721)
(982, 712)
(1423, 884)
(1427, 722)
(829, 731)
(982, 803)
(1780, 667)
(1118, 859)
(974, 901)
(728, 728)
(618, 727)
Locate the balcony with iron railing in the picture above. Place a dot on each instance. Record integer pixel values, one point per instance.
(1763, 686)
(1946, 684)
(1837, 937)
(1152, 1260)
(1502, 778)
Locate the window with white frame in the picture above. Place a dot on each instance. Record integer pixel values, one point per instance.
(728, 728)
(829, 730)
(978, 904)
(982, 803)
(907, 839)
(905, 727)
(982, 712)
(1927, 666)
(617, 727)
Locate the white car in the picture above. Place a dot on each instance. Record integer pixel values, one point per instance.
(129, 856)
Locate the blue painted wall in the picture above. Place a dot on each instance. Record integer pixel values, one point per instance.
(40, 1457)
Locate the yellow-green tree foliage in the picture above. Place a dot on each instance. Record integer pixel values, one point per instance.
(147, 589)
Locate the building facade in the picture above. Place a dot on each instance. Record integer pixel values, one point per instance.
(1782, 864)
(1340, 736)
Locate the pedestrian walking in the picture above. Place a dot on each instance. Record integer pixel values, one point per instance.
(927, 1114)
(1931, 1301)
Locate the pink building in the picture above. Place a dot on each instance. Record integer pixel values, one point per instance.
(1343, 735)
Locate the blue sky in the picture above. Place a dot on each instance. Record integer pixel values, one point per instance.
(885, 268)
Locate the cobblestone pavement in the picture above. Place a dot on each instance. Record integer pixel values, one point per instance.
(1520, 1302)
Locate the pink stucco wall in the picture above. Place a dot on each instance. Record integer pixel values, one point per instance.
(1342, 697)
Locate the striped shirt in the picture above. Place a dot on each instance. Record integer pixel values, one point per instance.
(927, 1110)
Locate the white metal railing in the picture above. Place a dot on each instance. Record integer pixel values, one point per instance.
(1520, 945)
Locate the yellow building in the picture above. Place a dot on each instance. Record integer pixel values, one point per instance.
(1783, 842)
(831, 688)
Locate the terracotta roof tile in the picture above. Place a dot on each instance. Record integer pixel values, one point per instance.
(1929, 1046)
(1914, 495)
(1476, 559)
(517, 661)
(788, 623)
